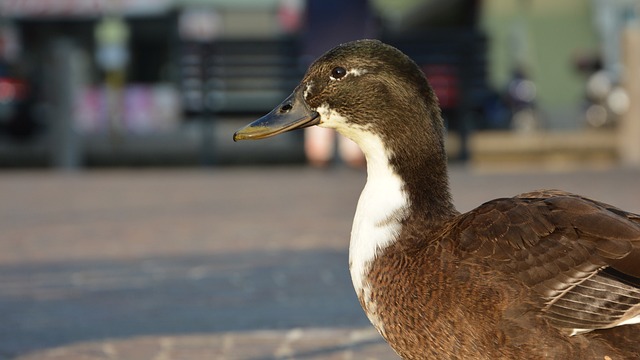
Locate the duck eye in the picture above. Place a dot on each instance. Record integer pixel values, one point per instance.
(338, 72)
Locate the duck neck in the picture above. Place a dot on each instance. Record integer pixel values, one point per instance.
(409, 143)
(423, 170)
(400, 186)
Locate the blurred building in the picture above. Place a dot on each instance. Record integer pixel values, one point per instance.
(127, 61)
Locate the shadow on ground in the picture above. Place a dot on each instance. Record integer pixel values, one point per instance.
(50, 305)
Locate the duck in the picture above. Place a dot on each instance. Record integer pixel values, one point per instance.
(545, 274)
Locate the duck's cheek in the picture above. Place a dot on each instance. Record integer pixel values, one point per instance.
(330, 118)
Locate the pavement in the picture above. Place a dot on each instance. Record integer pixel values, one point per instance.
(220, 263)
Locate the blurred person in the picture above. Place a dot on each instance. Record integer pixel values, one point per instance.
(329, 23)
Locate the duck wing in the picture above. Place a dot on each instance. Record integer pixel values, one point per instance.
(581, 256)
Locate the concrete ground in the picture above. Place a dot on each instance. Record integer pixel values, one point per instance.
(229, 263)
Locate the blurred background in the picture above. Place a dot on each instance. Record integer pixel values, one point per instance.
(155, 82)
(160, 238)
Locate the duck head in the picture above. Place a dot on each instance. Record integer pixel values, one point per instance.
(378, 97)
(360, 88)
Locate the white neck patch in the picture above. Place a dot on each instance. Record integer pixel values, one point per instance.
(376, 224)
(383, 201)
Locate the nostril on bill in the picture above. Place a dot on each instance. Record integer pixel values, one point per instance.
(285, 108)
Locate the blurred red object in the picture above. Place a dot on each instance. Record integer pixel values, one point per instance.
(444, 80)
(12, 90)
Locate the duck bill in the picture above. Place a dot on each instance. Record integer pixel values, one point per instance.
(293, 113)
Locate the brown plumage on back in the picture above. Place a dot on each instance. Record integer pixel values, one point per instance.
(514, 279)
(546, 274)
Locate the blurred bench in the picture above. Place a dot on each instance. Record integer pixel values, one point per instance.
(238, 77)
